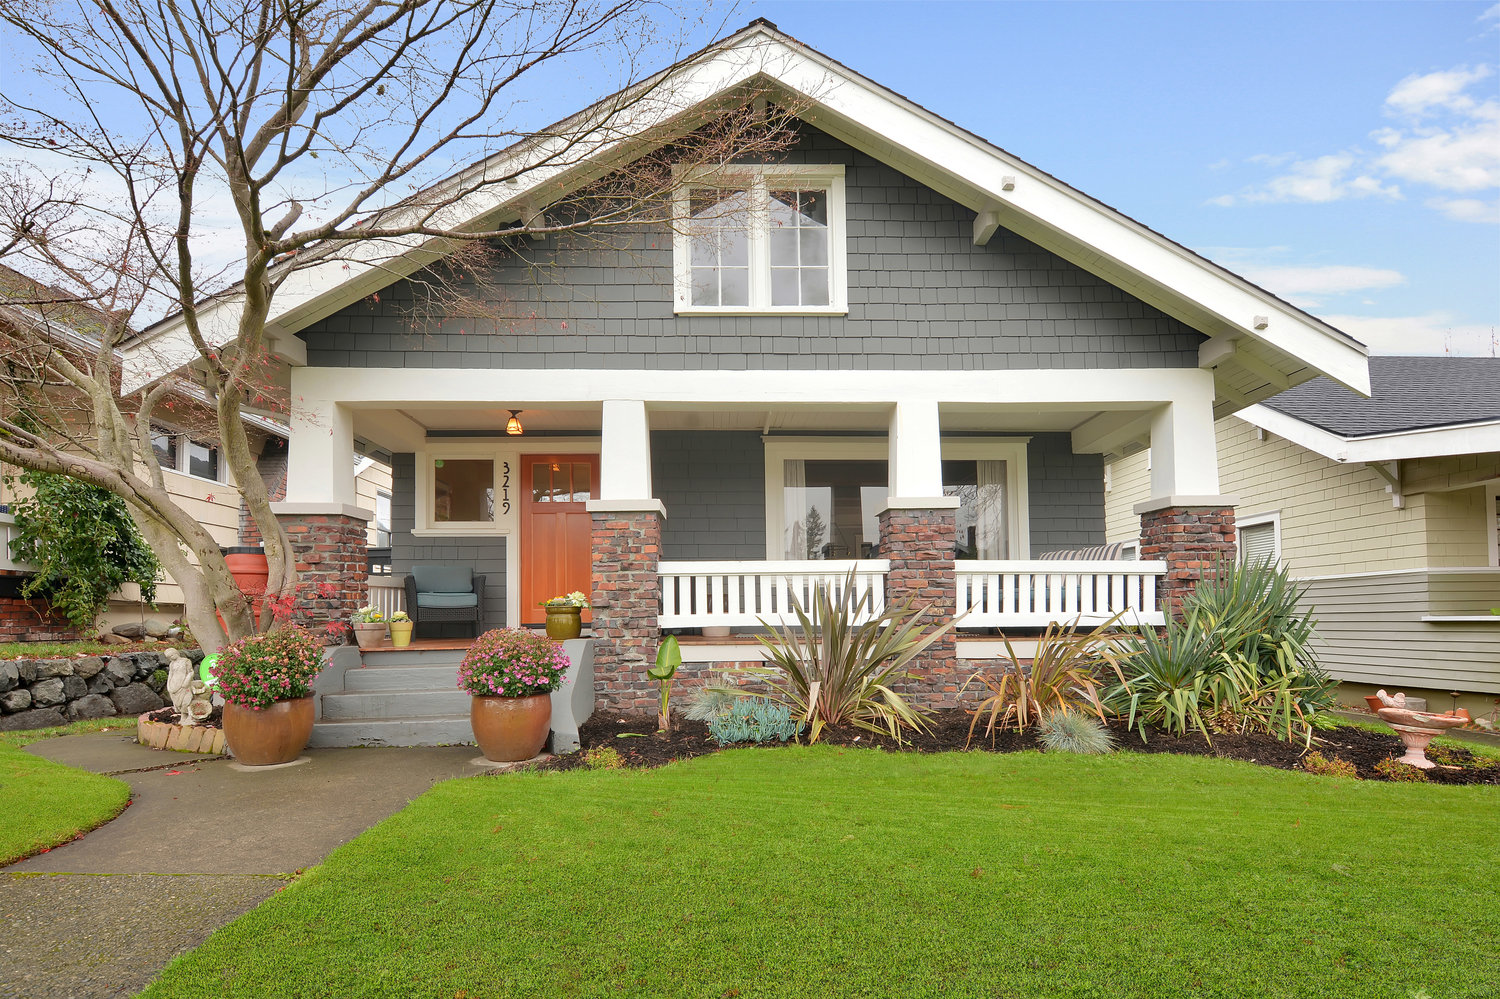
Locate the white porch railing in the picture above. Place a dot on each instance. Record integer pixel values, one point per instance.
(7, 533)
(741, 594)
(387, 594)
(1035, 593)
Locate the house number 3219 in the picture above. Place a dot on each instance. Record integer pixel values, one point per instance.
(505, 487)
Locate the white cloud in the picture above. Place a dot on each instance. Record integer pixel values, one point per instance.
(1434, 333)
(1491, 19)
(1328, 280)
(1445, 138)
(1468, 209)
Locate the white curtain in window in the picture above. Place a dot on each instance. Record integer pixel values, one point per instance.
(794, 509)
(991, 535)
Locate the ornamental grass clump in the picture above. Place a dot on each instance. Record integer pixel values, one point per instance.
(261, 670)
(1075, 732)
(512, 662)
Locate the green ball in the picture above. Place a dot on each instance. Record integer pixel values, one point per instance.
(205, 669)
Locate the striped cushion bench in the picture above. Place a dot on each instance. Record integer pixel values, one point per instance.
(1101, 553)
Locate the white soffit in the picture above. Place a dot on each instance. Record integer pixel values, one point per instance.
(934, 151)
(1426, 442)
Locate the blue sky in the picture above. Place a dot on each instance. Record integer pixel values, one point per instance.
(1345, 155)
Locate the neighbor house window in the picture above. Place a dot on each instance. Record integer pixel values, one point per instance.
(761, 239)
(824, 497)
(177, 452)
(1260, 538)
(382, 519)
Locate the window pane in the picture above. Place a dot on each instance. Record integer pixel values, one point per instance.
(814, 247)
(813, 207)
(705, 286)
(814, 286)
(718, 234)
(981, 516)
(165, 446)
(581, 487)
(463, 490)
(783, 247)
(835, 515)
(203, 460)
(541, 482)
(784, 286)
(735, 285)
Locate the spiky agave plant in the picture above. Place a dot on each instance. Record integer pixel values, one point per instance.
(838, 664)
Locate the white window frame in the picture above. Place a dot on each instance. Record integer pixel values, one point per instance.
(760, 181)
(1011, 450)
(425, 525)
(1131, 550)
(183, 463)
(1257, 520)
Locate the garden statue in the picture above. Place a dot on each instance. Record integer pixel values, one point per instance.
(189, 695)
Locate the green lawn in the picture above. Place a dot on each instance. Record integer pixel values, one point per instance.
(827, 872)
(43, 803)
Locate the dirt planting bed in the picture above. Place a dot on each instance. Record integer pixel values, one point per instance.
(636, 740)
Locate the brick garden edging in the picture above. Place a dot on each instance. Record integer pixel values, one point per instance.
(179, 738)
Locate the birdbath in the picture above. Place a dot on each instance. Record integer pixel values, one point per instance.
(1417, 729)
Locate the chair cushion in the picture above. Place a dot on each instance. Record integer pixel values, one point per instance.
(443, 578)
(438, 600)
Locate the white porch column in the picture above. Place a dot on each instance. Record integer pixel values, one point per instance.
(915, 473)
(1184, 452)
(320, 453)
(625, 459)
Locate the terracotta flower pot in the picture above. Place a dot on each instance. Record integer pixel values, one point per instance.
(401, 633)
(369, 634)
(511, 729)
(564, 622)
(277, 734)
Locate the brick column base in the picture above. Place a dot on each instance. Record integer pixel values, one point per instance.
(920, 545)
(1190, 540)
(332, 557)
(627, 550)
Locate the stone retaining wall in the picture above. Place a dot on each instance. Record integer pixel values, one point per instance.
(37, 693)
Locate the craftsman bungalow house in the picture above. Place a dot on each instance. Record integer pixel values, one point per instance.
(912, 354)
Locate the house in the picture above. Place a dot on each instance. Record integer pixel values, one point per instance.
(917, 372)
(1387, 508)
(195, 475)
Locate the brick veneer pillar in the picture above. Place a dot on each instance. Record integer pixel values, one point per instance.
(1190, 539)
(921, 545)
(332, 565)
(627, 551)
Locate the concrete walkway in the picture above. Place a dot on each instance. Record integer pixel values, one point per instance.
(201, 843)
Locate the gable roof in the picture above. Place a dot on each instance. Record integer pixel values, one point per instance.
(1262, 343)
(1418, 407)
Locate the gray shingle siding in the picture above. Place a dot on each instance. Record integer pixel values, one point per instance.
(1066, 498)
(486, 556)
(921, 297)
(713, 484)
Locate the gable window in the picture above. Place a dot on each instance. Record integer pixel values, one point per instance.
(1260, 538)
(761, 239)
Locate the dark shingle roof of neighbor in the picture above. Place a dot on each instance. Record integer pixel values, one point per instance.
(1406, 393)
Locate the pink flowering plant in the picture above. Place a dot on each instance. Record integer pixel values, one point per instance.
(512, 662)
(260, 670)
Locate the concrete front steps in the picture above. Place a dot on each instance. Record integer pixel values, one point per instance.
(396, 697)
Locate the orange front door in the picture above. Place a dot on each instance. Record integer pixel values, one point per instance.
(556, 542)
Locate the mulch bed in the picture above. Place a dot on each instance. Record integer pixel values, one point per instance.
(639, 745)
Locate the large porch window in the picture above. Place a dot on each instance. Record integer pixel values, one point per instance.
(824, 497)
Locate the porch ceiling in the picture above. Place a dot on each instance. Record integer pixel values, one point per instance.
(406, 428)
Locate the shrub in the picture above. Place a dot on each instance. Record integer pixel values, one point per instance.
(1237, 659)
(837, 665)
(1063, 677)
(512, 662)
(1317, 763)
(713, 699)
(603, 758)
(1393, 769)
(1074, 732)
(258, 671)
(754, 719)
(83, 543)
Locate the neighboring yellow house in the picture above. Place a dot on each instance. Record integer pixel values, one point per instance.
(1387, 508)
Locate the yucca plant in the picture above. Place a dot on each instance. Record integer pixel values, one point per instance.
(1167, 679)
(838, 664)
(1064, 675)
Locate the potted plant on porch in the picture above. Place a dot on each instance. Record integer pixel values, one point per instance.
(401, 628)
(369, 627)
(266, 681)
(565, 615)
(511, 672)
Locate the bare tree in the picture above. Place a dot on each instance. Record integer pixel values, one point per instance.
(297, 129)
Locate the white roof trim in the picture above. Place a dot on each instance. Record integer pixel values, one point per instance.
(1028, 201)
(1425, 442)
